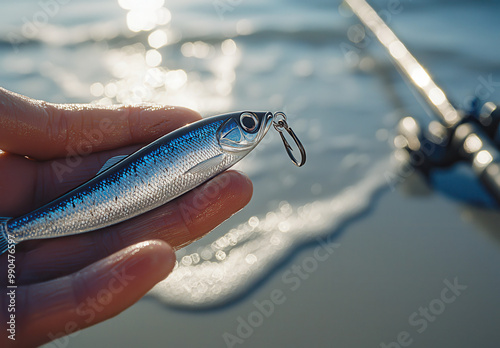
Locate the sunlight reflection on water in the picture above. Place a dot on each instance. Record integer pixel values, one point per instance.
(221, 271)
(143, 74)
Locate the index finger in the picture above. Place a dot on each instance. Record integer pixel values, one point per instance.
(42, 130)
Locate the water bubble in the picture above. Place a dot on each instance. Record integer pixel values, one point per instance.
(228, 47)
(284, 226)
(187, 49)
(285, 207)
(206, 254)
(253, 221)
(232, 238)
(356, 33)
(275, 240)
(223, 242)
(157, 38)
(251, 259)
(96, 89)
(153, 58)
(220, 255)
(110, 90)
(186, 260)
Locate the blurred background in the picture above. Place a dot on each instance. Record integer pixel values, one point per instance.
(344, 252)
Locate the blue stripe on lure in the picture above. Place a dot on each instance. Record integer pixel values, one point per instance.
(128, 186)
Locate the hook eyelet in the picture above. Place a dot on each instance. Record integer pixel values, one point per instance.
(280, 124)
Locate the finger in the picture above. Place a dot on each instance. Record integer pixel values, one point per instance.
(17, 184)
(61, 307)
(43, 130)
(179, 223)
(29, 184)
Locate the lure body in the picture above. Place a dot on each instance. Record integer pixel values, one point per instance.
(154, 175)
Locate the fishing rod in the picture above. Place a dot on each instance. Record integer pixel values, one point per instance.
(473, 136)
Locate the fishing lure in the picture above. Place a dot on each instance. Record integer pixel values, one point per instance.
(131, 185)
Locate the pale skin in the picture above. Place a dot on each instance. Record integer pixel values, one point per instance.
(67, 284)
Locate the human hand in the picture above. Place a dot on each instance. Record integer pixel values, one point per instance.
(67, 284)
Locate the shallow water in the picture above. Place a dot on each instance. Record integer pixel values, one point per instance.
(342, 97)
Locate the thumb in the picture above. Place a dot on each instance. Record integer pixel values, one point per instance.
(63, 306)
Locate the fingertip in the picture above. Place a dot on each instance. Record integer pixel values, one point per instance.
(162, 257)
(243, 182)
(153, 257)
(164, 117)
(172, 111)
(186, 113)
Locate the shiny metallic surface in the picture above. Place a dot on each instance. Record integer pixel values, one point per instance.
(406, 62)
(149, 178)
(280, 124)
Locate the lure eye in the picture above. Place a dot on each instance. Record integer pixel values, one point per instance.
(249, 122)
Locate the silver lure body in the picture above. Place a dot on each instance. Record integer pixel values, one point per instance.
(154, 175)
